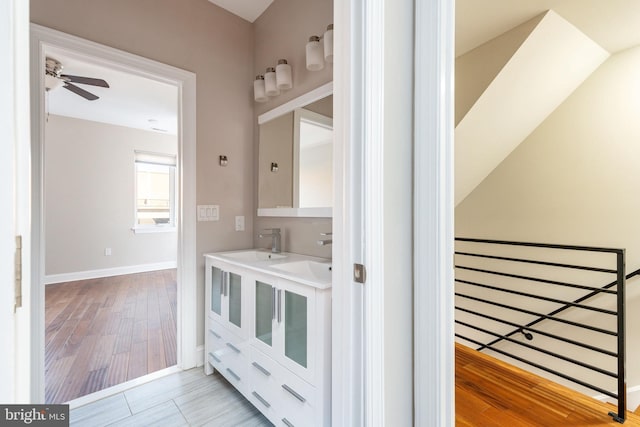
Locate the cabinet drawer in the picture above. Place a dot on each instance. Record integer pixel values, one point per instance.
(265, 373)
(235, 371)
(265, 403)
(233, 354)
(298, 399)
(264, 376)
(215, 336)
(214, 342)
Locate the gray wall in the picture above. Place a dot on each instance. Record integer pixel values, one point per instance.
(282, 32)
(89, 197)
(196, 36)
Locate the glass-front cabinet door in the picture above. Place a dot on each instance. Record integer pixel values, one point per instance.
(295, 327)
(265, 312)
(224, 297)
(214, 278)
(296, 324)
(235, 298)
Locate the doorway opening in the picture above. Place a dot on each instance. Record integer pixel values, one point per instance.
(110, 240)
(114, 248)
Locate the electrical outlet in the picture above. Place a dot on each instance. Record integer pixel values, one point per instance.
(107, 251)
(240, 223)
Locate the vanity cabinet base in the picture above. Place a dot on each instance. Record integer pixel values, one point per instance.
(278, 355)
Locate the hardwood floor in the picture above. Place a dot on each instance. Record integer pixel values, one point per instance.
(102, 332)
(489, 393)
(188, 398)
(493, 393)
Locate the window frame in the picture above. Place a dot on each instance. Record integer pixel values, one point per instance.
(158, 161)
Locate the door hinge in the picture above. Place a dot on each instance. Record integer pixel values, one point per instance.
(18, 274)
(359, 273)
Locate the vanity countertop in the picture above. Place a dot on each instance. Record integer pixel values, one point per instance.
(308, 270)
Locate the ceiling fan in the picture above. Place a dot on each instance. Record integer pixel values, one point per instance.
(54, 79)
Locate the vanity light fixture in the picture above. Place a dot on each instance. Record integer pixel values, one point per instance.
(258, 89)
(328, 44)
(223, 161)
(315, 54)
(283, 75)
(274, 167)
(270, 85)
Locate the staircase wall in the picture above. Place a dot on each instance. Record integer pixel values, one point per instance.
(476, 69)
(574, 180)
(552, 61)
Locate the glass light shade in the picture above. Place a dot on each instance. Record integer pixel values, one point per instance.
(328, 44)
(270, 86)
(283, 75)
(258, 89)
(315, 54)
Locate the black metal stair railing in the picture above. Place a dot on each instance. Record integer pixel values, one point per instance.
(528, 289)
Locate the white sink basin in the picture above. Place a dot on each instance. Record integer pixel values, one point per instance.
(310, 270)
(253, 255)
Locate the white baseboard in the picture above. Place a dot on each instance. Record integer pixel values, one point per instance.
(199, 356)
(633, 398)
(107, 272)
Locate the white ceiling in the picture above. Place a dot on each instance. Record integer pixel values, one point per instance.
(130, 101)
(613, 24)
(249, 10)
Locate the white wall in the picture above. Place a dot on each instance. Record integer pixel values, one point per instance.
(574, 180)
(90, 197)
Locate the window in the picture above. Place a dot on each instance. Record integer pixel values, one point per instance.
(155, 201)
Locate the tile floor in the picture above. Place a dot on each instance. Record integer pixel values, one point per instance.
(188, 398)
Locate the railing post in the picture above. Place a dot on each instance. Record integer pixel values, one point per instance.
(622, 383)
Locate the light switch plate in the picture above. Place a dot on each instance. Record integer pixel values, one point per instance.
(239, 223)
(208, 212)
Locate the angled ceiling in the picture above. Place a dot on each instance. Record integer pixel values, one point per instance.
(248, 10)
(552, 61)
(613, 24)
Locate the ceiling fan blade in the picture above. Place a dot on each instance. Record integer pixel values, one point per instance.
(85, 80)
(79, 91)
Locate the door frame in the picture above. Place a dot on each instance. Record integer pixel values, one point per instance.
(376, 40)
(42, 38)
(14, 199)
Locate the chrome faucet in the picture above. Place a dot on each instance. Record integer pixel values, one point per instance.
(326, 241)
(275, 239)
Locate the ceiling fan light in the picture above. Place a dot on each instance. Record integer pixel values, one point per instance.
(51, 82)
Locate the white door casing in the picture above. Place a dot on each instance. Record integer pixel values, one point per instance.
(14, 199)
(393, 113)
(433, 234)
(41, 38)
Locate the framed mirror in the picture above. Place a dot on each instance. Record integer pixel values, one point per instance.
(295, 157)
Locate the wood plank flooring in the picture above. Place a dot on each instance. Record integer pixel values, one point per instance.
(102, 332)
(188, 398)
(493, 393)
